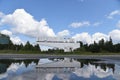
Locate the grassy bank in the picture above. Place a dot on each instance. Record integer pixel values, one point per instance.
(55, 53)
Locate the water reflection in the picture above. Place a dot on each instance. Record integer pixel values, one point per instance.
(88, 70)
(91, 72)
(5, 63)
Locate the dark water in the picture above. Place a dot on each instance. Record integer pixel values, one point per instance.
(90, 69)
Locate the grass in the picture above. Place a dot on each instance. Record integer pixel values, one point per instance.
(56, 53)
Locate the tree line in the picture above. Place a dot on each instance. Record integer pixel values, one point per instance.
(96, 47)
(20, 47)
(101, 46)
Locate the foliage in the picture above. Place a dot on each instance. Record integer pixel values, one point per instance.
(21, 47)
(101, 46)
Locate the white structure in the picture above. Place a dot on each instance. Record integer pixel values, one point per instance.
(62, 65)
(66, 63)
(67, 44)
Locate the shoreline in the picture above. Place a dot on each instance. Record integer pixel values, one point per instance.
(37, 56)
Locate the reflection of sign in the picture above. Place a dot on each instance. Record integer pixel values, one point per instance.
(66, 65)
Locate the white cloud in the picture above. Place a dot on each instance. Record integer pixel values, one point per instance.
(88, 71)
(84, 24)
(6, 32)
(87, 38)
(118, 24)
(14, 39)
(63, 33)
(1, 14)
(98, 36)
(96, 24)
(24, 23)
(113, 13)
(115, 35)
(84, 37)
(80, 24)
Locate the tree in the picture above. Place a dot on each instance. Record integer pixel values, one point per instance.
(28, 46)
(117, 47)
(81, 43)
(37, 48)
(109, 45)
(101, 44)
(11, 45)
(94, 47)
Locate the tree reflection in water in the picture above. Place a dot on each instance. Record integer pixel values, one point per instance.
(89, 67)
(5, 63)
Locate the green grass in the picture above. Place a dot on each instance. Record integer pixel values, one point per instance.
(18, 52)
(56, 53)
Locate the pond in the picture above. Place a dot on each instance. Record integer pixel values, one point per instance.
(89, 69)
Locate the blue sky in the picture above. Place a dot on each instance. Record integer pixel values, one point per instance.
(85, 20)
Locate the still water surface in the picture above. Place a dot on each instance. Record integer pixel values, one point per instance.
(90, 69)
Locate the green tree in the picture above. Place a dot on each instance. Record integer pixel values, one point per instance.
(28, 47)
(37, 48)
(117, 47)
(109, 45)
(81, 43)
(101, 44)
(94, 47)
(11, 45)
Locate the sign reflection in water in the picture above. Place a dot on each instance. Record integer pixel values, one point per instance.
(89, 70)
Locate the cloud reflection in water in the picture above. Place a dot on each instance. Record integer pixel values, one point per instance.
(90, 72)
